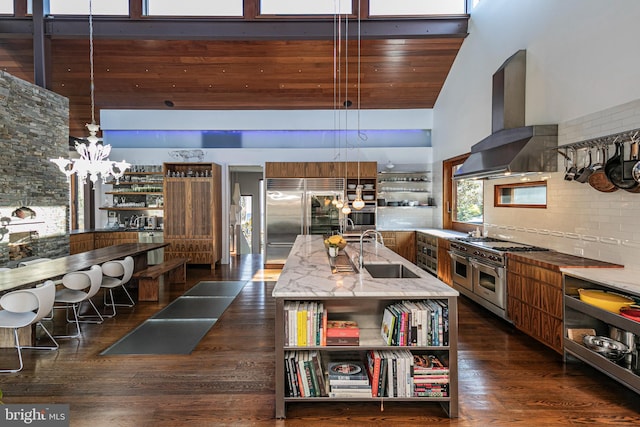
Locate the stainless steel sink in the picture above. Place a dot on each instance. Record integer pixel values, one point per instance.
(391, 271)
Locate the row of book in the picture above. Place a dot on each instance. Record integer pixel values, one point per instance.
(405, 323)
(307, 375)
(307, 325)
(385, 373)
(399, 373)
(416, 323)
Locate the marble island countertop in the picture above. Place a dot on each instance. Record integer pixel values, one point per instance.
(307, 274)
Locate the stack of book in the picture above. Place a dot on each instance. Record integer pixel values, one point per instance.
(399, 373)
(304, 374)
(416, 323)
(391, 372)
(342, 332)
(304, 323)
(348, 379)
(430, 376)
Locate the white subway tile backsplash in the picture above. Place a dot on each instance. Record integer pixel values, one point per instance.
(610, 240)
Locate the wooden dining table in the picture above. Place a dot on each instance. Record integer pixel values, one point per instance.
(58, 267)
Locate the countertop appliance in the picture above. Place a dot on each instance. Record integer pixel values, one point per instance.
(156, 256)
(299, 206)
(479, 269)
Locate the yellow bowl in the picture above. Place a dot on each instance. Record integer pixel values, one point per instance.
(341, 245)
(604, 300)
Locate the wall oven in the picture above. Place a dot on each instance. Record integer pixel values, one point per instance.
(461, 270)
(364, 218)
(489, 282)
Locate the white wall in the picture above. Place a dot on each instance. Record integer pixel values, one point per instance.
(264, 119)
(580, 59)
(582, 74)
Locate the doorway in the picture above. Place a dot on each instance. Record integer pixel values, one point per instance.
(245, 213)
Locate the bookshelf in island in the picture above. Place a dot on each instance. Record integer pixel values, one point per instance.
(355, 337)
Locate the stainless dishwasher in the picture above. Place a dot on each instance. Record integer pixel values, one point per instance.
(156, 256)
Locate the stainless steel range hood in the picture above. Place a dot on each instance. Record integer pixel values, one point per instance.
(512, 148)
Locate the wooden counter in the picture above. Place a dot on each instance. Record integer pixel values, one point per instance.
(534, 292)
(553, 260)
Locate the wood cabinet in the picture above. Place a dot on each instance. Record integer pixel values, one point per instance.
(401, 242)
(444, 262)
(284, 170)
(320, 169)
(81, 242)
(192, 213)
(534, 302)
(324, 170)
(110, 238)
(367, 170)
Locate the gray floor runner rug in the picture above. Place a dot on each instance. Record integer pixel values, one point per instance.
(179, 327)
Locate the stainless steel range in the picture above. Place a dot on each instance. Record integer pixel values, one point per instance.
(479, 269)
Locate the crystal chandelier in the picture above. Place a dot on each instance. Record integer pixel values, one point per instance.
(93, 162)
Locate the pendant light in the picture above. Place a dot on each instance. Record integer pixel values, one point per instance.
(358, 203)
(346, 210)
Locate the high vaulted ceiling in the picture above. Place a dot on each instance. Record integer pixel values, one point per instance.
(200, 64)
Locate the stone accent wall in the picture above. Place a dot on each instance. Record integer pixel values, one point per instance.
(34, 127)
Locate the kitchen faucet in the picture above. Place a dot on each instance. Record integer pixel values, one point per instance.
(347, 222)
(377, 234)
(344, 224)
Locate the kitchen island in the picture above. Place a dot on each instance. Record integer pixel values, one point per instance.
(307, 277)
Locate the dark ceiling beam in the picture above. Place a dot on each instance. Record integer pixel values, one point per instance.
(39, 51)
(199, 29)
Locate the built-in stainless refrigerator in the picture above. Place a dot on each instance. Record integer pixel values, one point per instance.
(299, 206)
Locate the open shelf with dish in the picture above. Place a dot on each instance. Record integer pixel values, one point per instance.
(405, 189)
(140, 189)
(582, 318)
(368, 190)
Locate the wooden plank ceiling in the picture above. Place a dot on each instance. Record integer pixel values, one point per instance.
(227, 74)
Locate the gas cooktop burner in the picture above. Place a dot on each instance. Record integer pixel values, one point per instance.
(478, 239)
(498, 245)
(508, 246)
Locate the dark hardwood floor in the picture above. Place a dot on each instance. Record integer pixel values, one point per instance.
(506, 378)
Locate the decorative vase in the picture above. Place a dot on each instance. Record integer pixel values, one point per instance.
(333, 251)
